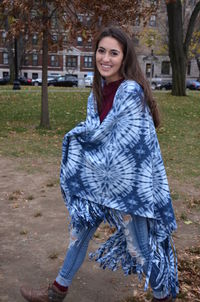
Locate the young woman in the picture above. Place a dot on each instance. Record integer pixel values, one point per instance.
(112, 170)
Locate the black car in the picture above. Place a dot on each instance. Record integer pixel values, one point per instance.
(167, 85)
(21, 80)
(24, 81)
(52, 78)
(64, 81)
(4, 80)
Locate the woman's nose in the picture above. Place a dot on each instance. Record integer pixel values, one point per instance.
(106, 57)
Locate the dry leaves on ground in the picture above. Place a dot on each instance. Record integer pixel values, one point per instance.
(189, 278)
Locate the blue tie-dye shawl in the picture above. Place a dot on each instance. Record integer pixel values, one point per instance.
(114, 168)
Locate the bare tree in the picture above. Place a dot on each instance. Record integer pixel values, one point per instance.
(178, 43)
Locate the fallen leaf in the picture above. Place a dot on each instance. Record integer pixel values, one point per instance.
(188, 222)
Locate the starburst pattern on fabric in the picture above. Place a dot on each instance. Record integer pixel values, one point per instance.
(108, 176)
(73, 158)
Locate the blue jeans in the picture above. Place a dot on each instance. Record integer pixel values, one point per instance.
(137, 237)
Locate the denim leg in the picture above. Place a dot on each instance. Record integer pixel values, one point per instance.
(75, 254)
(137, 235)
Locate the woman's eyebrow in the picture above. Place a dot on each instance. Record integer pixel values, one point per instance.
(101, 47)
(115, 50)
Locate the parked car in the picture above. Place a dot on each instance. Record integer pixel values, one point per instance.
(155, 83)
(37, 82)
(52, 78)
(4, 80)
(25, 81)
(88, 81)
(65, 81)
(193, 85)
(161, 83)
(166, 85)
(21, 80)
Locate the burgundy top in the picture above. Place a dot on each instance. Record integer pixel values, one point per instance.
(109, 91)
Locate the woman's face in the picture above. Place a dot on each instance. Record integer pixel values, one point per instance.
(109, 57)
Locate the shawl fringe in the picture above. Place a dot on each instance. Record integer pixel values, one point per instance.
(113, 254)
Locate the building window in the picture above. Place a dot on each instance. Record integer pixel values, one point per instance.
(79, 41)
(149, 70)
(35, 59)
(65, 38)
(54, 22)
(152, 21)
(3, 36)
(34, 75)
(189, 68)
(71, 61)
(26, 75)
(54, 38)
(100, 21)
(35, 39)
(5, 74)
(88, 62)
(33, 14)
(80, 18)
(165, 69)
(26, 60)
(89, 43)
(137, 21)
(5, 58)
(154, 2)
(88, 21)
(54, 61)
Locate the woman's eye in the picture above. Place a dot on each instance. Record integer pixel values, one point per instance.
(114, 53)
(100, 50)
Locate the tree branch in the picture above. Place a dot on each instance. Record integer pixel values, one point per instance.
(52, 13)
(190, 28)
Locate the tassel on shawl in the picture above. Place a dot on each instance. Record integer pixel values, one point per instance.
(114, 254)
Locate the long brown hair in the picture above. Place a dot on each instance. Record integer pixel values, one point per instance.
(130, 70)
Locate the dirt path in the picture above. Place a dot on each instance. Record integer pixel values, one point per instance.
(34, 236)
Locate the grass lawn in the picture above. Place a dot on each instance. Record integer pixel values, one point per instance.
(20, 136)
(20, 118)
(179, 135)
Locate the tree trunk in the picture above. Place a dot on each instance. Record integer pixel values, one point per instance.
(44, 122)
(11, 62)
(176, 50)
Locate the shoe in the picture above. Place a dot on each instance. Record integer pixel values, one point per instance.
(47, 294)
(167, 299)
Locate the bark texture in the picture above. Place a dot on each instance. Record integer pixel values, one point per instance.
(178, 46)
(44, 122)
(176, 52)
